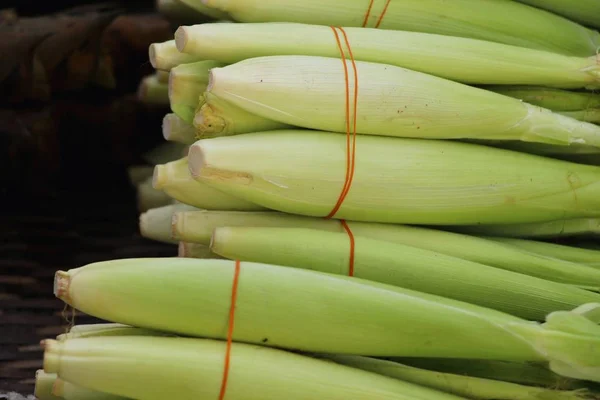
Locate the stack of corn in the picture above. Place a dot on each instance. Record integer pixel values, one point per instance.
(364, 211)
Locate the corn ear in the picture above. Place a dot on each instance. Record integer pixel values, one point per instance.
(153, 91)
(404, 266)
(513, 23)
(391, 102)
(557, 251)
(216, 117)
(176, 129)
(460, 385)
(361, 317)
(69, 391)
(198, 227)
(195, 250)
(396, 180)
(187, 82)
(175, 180)
(459, 59)
(541, 230)
(155, 223)
(164, 56)
(43, 386)
(199, 6)
(113, 364)
(587, 12)
(107, 329)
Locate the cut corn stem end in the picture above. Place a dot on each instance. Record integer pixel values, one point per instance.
(62, 280)
(51, 355)
(44, 383)
(160, 177)
(176, 129)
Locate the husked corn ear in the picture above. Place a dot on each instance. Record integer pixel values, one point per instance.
(513, 23)
(156, 368)
(459, 59)
(310, 92)
(395, 180)
(361, 317)
(174, 179)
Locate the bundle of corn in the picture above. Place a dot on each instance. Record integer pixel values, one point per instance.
(298, 276)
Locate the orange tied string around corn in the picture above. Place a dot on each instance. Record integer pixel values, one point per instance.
(350, 134)
(381, 16)
(236, 278)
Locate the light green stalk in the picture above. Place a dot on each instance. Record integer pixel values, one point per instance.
(550, 229)
(284, 307)
(176, 368)
(216, 117)
(43, 386)
(176, 129)
(392, 101)
(586, 12)
(152, 91)
(155, 223)
(195, 250)
(107, 329)
(174, 179)
(459, 59)
(557, 251)
(198, 226)
(396, 180)
(164, 153)
(187, 82)
(148, 197)
(165, 56)
(460, 385)
(404, 266)
(513, 23)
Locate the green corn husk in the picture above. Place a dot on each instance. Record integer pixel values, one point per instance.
(570, 253)
(541, 230)
(152, 91)
(513, 23)
(547, 150)
(43, 386)
(404, 266)
(198, 227)
(393, 101)
(148, 197)
(586, 12)
(283, 307)
(199, 6)
(69, 391)
(186, 11)
(156, 223)
(195, 250)
(193, 369)
(458, 59)
(460, 385)
(107, 329)
(177, 130)
(165, 56)
(216, 117)
(175, 180)
(187, 82)
(396, 180)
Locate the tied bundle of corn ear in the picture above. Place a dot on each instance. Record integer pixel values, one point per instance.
(174, 179)
(396, 180)
(512, 23)
(199, 226)
(464, 60)
(404, 266)
(586, 12)
(50, 387)
(571, 253)
(155, 367)
(361, 317)
(542, 230)
(391, 101)
(584, 106)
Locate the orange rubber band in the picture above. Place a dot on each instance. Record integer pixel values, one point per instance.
(236, 278)
(352, 245)
(381, 16)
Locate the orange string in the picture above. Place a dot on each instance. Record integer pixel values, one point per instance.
(381, 16)
(236, 278)
(351, 236)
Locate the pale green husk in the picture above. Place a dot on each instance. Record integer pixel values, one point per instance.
(396, 180)
(460, 385)
(512, 23)
(164, 56)
(586, 12)
(199, 6)
(43, 386)
(155, 223)
(176, 129)
(174, 179)
(179, 13)
(107, 329)
(392, 101)
(541, 230)
(284, 307)
(178, 368)
(198, 226)
(459, 59)
(404, 266)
